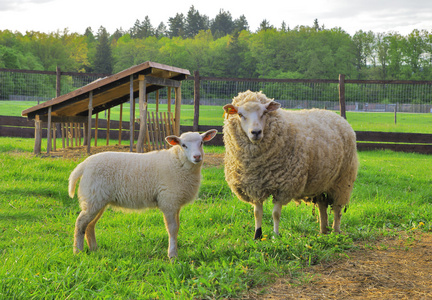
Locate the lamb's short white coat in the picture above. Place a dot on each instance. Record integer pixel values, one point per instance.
(291, 155)
(166, 179)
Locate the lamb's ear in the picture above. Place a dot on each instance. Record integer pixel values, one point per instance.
(209, 135)
(173, 140)
(272, 106)
(230, 109)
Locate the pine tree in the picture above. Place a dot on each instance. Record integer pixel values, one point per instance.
(103, 60)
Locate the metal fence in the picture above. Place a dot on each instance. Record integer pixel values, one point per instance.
(360, 95)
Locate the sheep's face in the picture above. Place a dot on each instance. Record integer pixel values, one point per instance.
(252, 117)
(192, 144)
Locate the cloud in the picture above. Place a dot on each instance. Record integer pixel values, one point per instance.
(19, 5)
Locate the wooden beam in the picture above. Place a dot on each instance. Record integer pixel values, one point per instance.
(96, 128)
(38, 135)
(342, 95)
(120, 123)
(49, 131)
(108, 127)
(177, 110)
(89, 121)
(64, 119)
(162, 81)
(143, 113)
(131, 114)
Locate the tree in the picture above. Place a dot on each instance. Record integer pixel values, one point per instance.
(364, 47)
(195, 23)
(264, 25)
(103, 62)
(161, 30)
(240, 24)
(142, 29)
(177, 26)
(222, 24)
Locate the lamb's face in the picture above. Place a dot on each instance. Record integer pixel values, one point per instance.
(252, 117)
(192, 144)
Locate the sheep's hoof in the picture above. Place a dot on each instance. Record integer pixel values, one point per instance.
(258, 234)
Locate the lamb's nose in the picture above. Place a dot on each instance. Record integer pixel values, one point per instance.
(256, 133)
(197, 158)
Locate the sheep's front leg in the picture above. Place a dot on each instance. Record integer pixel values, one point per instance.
(277, 211)
(172, 223)
(258, 212)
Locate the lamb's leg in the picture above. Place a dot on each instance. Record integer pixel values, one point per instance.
(172, 224)
(90, 231)
(258, 212)
(277, 211)
(322, 206)
(83, 220)
(337, 210)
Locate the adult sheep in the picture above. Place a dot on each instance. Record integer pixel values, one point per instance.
(291, 155)
(166, 179)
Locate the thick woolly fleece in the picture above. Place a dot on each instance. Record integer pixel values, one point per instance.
(302, 154)
(164, 179)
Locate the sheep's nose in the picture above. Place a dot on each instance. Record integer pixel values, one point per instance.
(197, 158)
(256, 133)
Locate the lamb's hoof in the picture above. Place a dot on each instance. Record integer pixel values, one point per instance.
(258, 234)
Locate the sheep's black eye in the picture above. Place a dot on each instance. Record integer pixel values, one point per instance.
(241, 116)
(184, 146)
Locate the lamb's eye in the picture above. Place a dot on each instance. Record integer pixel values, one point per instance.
(184, 146)
(241, 116)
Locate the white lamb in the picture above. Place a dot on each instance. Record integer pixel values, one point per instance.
(305, 155)
(167, 179)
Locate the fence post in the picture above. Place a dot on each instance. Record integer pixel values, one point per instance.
(196, 100)
(342, 95)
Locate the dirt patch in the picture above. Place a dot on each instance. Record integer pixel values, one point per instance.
(210, 159)
(391, 268)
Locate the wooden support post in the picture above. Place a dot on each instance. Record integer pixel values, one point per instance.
(131, 120)
(96, 128)
(90, 112)
(196, 100)
(49, 130)
(38, 135)
(143, 114)
(395, 114)
(342, 95)
(63, 134)
(76, 133)
(120, 124)
(177, 110)
(169, 99)
(54, 144)
(108, 126)
(157, 101)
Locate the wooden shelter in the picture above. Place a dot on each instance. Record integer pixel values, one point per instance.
(77, 107)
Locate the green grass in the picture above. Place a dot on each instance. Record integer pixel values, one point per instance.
(217, 256)
(213, 115)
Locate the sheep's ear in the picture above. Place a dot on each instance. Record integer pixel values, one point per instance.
(209, 135)
(272, 106)
(172, 140)
(230, 109)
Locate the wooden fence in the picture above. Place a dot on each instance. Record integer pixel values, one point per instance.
(366, 140)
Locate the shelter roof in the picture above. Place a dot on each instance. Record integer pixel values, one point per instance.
(110, 91)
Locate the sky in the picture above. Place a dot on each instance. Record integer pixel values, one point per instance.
(402, 16)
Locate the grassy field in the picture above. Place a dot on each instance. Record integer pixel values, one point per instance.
(217, 256)
(213, 115)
